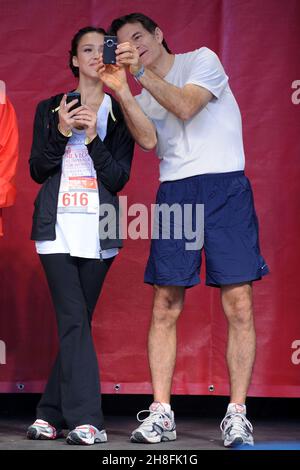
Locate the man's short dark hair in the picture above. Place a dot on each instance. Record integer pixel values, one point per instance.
(145, 21)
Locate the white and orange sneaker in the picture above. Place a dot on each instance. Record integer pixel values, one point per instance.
(159, 426)
(86, 434)
(41, 429)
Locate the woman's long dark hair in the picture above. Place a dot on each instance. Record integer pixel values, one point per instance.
(75, 42)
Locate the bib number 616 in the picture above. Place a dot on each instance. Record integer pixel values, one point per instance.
(75, 199)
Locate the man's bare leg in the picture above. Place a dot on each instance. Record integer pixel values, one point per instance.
(237, 305)
(167, 306)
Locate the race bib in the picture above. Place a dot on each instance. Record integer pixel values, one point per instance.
(78, 194)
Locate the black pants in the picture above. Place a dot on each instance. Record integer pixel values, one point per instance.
(72, 395)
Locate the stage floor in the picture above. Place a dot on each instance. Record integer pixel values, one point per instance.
(193, 434)
(275, 420)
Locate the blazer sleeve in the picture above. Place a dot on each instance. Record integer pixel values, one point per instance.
(48, 146)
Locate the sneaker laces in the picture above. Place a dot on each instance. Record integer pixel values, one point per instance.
(238, 421)
(153, 415)
(43, 424)
(86, 429)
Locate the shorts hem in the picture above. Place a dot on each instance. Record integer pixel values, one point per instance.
(237, 279)
(170, 283)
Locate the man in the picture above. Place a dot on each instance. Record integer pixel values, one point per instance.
(188, 111)
(8, 156)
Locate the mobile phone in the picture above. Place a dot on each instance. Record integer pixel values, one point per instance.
(73, 95)
(109, 49)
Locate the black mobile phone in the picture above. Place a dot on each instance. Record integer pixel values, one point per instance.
(73, 95)
(109, 49)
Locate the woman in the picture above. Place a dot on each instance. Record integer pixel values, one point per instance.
(82, 157)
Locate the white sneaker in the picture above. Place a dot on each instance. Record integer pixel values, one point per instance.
(159, 426)
(236, 428)
(41, 429)
(86, 434)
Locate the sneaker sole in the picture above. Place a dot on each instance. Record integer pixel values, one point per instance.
(238, 442)
(75, 440)
(139, 437)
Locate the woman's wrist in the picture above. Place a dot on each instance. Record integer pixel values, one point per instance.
(90, 137)
(64, 132)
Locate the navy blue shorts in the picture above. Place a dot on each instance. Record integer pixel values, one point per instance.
(231, 241)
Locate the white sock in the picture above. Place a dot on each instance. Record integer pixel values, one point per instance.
(159, 406)
(236, 408)
(167, 407)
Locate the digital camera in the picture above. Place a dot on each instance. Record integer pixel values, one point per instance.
(109, 49)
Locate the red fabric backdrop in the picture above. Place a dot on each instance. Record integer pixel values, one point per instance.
(258, 43)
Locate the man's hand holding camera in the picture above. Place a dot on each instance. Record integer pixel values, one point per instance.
(128, 55)
(114, 76)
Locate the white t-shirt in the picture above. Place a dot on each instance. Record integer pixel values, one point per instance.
(209, 142)
(77, 223)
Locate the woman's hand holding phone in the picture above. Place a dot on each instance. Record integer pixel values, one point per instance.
(66, 117)
(86, 118)
(81, 117)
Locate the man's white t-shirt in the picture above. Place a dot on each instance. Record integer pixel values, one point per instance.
(209, 142)
(77, 223)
